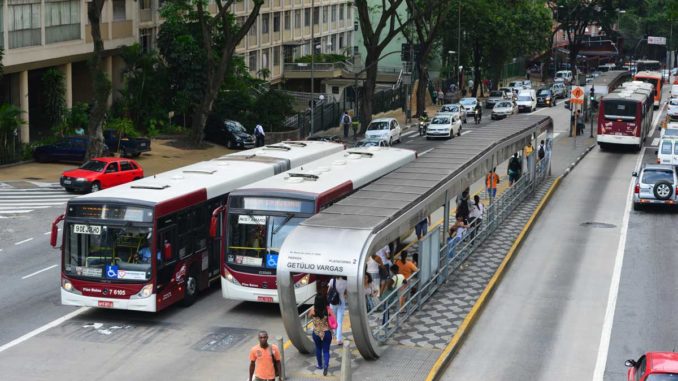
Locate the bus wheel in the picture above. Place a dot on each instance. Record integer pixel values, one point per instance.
(191, 290)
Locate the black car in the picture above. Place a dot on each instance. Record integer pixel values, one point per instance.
(546, 97)
(326, 138)
(71, 148)
(230, 133)
(129, 147)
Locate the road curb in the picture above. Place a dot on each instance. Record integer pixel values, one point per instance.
(465, 328)
(577, 160)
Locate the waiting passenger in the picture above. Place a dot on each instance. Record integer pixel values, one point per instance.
(514, 168)
(457, 232)
(405, 267)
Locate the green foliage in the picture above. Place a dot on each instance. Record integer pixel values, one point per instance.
(54, 90)
(76, 117)
(277, 104)
(124, 126)
(10, 121)
(647, 18)
(322, 58)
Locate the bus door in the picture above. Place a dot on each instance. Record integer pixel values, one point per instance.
(216, 244)
(166, 255)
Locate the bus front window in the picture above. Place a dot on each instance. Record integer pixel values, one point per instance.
(108, 252)
(255, 240)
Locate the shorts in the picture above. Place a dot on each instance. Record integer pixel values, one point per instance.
(421, 228)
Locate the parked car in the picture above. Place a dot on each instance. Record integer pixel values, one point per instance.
(655, 184)
(503, 110)
(71, 149)
(371, 142)
(469, 104)
(495, 97)
(443, 126)
(128, 146)
(527, 100)
(455, 108)
(559, 90)
(230, 133)
(101, 173)
(384, 128)
(653, 366)
(545, 97)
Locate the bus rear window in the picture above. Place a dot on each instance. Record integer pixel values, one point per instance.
(614, 108)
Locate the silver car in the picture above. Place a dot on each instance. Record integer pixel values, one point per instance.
(456, 109)
(504, 109)
(469, 104)
(495, 97)
(655, 184)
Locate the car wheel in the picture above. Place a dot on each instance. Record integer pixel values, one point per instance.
(137, 154)
(390, 142)
(459, 131)
(190, 290)
(428, 138)
(662, 190)
(95, 187)
(69, 190)
(464, 119)
(230, 144)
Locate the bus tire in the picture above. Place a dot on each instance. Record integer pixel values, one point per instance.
(190, 289)
(602, 146)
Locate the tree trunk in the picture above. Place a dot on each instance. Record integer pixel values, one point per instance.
(369, 85)
(476, 70)
(422, 88)
(102, 85)
(199, 118)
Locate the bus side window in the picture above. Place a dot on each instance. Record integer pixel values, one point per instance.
(183, 247)
(166, 248)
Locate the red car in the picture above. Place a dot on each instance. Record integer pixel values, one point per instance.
(100, 173)
(654, 366)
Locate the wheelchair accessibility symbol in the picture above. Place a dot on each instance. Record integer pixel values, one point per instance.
(271, 261)
(112, 272)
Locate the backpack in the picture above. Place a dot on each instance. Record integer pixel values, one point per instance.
(541, 152)
(333, 295)
(345, 119)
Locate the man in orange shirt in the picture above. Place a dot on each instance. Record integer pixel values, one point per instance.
(264, 360)
(405, 267)
(491, 181)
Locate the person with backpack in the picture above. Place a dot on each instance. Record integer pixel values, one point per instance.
(346, 122)
(336, 296)
(541, 151)
(264, 360)
(514, 168)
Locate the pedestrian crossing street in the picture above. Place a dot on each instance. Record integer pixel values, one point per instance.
(21, 201)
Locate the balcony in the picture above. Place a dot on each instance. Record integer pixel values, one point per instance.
(25, 37)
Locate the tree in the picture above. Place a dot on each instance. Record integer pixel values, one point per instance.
(100, 82)
(376, 36)
(218, 37)
(10, 121)
(55, 101)
(427, 16)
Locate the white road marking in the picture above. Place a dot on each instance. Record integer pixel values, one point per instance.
(24, 241)
(15, 211)
(425, 152)
(31, 203)
(33, 207)
(655, 142)
(409, 134)
(465, 132)
(38, 272)
(42, 329)
(47, 233)
(606, 334)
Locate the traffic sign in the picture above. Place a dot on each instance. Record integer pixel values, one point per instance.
(652, 40)
(577, 95)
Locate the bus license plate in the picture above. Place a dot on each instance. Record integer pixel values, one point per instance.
(105, 304)
(87, 229)
(268, 299)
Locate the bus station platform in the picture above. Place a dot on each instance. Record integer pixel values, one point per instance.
(422, 344)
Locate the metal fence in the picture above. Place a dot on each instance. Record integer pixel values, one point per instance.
(325, 115)
(10, 147)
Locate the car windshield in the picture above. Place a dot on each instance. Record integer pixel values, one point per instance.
(94, 166)
(235, 127)
(512, 84)
(503, 105)
(652, 176)
(254, 238)
(673, 102)
(368, 143)
(495, 94)
(452, 108)
(524, 98)
(560, 74)
(377, 126)
(667, 147)
(468, 101)
(440, 120)
(544, 92)
(108, 251)
(662, 377)
(671, 132)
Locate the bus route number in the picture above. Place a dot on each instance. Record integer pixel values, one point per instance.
(87, 229)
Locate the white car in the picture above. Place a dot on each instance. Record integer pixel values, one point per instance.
(454, 108)
(672, 110)
(469, 105)
(504, 109)
(384, 128)
(668, 151)
(443, 126)
(671, 130)
(527, 100)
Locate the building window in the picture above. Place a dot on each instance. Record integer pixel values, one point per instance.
(334, 13)
(316, 15)
(288, 21)
(253, 29)
(62, 21)
(325, 14)
(265, 20)
(341, 11)
(119, 12)
(146, 39)
(24, 23)
(276, 56)
(335, 89)
(297, 18)
(341, 41)
(276, 22)
(333, 42)
(253, 61)
(264, 59)
(348, 11)
(307, 16)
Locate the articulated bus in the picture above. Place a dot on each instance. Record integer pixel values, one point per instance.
(261, 215)
(625, 117)
(145, 245)
(653, 78)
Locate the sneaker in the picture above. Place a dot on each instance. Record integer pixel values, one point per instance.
(325, 372)
(318, 367)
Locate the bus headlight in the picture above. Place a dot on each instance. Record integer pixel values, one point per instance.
(68, 286)
(145, 292)
(229, 277)
(302, 282)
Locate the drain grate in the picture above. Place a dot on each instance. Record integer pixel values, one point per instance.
(598, 225)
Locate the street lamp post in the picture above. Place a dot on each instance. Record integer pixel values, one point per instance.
(449, 60)
(458, 43)
(312, 66)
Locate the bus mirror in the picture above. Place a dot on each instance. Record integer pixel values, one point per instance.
(55, 231)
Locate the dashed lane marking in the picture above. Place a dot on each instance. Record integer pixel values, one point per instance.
(38, 272)
(24, 241)
(425, 152)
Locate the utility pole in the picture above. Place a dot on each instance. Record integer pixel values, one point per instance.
(458, 44)
(312, 66)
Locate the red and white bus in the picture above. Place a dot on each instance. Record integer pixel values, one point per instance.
(146, 245)
(625, 117)
(653, 78)
(261, 215)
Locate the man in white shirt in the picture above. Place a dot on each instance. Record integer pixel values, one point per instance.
(259, 135)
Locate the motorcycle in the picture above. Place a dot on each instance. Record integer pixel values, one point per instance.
(423, 124)
(477, 115)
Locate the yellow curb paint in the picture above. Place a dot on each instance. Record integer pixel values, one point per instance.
(468, 322)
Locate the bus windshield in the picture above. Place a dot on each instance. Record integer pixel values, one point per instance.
(111, 252)
(255, 239)
(619, 109)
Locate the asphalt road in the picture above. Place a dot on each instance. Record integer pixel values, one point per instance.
(546, 318)
(210, 340)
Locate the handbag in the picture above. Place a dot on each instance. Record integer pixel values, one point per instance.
(331, 319)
